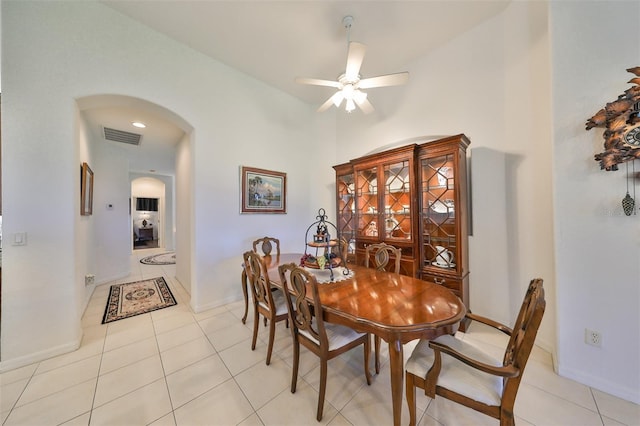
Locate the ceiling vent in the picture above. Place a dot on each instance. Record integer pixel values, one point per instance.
(121, 136)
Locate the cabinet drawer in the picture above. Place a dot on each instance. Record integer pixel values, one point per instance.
(448, 282)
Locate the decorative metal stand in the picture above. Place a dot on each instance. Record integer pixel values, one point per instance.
(322, 239)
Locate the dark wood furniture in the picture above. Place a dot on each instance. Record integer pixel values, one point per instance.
(268, 303)
(491, 384)
(395, 307)
(308, 328)
(414, 198)
(266, 246)
(383, 257)
(145, 234)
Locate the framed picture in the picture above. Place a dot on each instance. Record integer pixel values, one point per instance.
(263, 191)
(86, 190)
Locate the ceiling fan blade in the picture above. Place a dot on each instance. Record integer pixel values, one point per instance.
(325, 106)
(384, 80)
(318, 82)
(365, 105)
(354, 60)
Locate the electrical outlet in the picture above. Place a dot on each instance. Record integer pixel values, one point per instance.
(89, 279)
(593, 338)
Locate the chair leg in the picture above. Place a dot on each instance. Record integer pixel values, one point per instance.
(245, 293)
(256, 320)
(411, 399)
(296, 362)
(323, 388)
(272, 332)
(377, 354)
(506, 418)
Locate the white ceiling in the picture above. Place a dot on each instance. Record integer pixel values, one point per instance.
(277, 41)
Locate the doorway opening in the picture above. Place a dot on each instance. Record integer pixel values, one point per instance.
(146, 221)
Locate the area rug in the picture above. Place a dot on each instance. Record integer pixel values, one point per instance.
(168, 258)
(135, 298)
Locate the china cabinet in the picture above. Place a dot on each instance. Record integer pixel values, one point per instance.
(415, 198)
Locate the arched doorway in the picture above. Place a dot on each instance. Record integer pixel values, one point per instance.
(106, 238)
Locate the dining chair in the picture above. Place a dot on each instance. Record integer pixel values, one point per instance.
(462, 372)
(382, 254)
(341, 249)
(309, 329)
(270, 304)
(266, 246)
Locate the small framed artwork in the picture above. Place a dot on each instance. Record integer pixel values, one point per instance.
(263, 191)
(86, 190)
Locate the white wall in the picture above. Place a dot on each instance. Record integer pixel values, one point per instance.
(184, 212)
(491, 83)
(56, 52)
(111, 231)
(597, 246)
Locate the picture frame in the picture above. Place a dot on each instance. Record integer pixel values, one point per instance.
(262, 191)
(86, 190)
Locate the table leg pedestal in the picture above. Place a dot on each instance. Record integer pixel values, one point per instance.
(396, 359)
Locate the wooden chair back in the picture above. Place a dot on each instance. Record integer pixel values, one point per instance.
(523, 336)
(305, 314)
(341, 249)
(266, 245)
(382, 255)
(258, 279)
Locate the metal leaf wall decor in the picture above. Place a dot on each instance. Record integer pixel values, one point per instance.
(619, 118)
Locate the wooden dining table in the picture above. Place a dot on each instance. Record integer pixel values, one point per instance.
(395, 307)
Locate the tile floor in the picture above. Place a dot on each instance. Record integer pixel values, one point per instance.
(174, 367)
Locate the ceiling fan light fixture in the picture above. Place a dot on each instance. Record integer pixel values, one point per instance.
(359, 96)
(347, 91)
(350, 105)
(337, 98)
(350, 82)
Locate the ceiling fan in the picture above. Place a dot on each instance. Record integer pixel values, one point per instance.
(350, 84)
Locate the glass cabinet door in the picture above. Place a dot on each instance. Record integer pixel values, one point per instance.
(347, 211)
(438, 211)
(367, 205)
(397, 202)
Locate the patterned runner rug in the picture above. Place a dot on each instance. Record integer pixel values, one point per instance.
(168, 258)
(135, 298)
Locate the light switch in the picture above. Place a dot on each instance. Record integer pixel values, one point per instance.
(20, 239)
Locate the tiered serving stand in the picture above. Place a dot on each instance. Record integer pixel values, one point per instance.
(321, 242)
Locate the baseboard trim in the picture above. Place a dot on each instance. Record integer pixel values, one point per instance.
(628, 394)
(12, 364)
